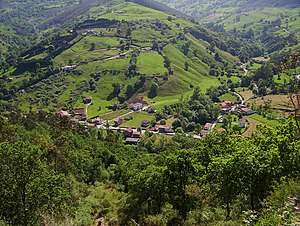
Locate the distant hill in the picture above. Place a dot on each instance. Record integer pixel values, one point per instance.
(201, 9)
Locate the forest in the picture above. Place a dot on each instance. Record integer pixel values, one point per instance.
(53, 173)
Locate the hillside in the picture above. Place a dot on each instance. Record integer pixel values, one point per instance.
(272, 23)
(122, 48)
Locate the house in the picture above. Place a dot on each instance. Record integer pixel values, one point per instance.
(242, 122)
(131, 140)
(88, 99)
(136, 106)
(136, 134)
(145, 123)
(247, 111)
(226, 106)
(74, 121)
(128, 132)
(69, 67)
(164, 129)
(97, 121)
(203, 133)
(79, 111)
(151, 110)
(118, 122)
(207, 126)
(63, 113)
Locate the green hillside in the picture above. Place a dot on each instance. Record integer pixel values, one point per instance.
(271, 23)
(112, 52)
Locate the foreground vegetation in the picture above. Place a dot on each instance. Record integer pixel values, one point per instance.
(57, 174)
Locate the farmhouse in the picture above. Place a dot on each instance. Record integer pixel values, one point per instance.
(79, 111)
(164, 129)
(247, 111)
(136, 106)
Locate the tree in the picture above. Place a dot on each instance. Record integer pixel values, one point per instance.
(93, 46)
(153, 90)
(28, 189)
(186, 66)
(217, 57)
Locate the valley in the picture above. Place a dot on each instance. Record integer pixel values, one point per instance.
(144, 112)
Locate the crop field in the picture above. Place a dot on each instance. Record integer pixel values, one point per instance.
(264, 120)
(246, 94)
(279, 102)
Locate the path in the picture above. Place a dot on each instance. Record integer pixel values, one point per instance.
(215, 122)
(121, 116)
(252, 127)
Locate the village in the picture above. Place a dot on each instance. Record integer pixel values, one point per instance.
(132, 135)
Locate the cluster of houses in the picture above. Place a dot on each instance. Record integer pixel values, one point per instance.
(229, 106)
(133, 136)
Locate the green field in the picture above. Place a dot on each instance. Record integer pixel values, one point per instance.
(130, 11)
(229, 97)
(137, 119)
(151, 63)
